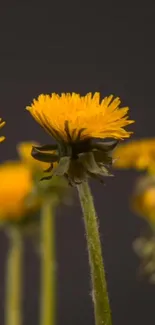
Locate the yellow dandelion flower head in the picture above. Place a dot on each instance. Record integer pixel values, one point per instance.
(24, 150)
(16, 184)
(86, 116)
(79, 125)
(138, 154)
(143, 200)
(2, 123)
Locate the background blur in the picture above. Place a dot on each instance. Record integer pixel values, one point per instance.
(51, 47)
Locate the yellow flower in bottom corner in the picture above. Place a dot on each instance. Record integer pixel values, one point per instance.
(15, 185)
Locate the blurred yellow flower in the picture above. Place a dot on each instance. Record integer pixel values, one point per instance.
(138, 154)
(16, 185)
(144, 204)
(24, 150)
(143, 198)
(144, 247)
(85, 114)
(1, 125)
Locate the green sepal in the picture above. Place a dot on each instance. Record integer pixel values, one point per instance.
(47, 147)
(105, 171)
(91, 165)
(40, 155)
(103, 157)
(104, 146)
(62, 167)
(76, 173)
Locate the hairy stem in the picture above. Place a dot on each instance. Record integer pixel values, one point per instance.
(48, 266)
(13, 303)
(99, 287)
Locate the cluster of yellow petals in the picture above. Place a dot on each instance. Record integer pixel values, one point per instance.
(15, 185)
(138, 154)
(99, 118)
(2, 138)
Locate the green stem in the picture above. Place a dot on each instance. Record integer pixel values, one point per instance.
(99, 287)
(48, 277)
(13, 311)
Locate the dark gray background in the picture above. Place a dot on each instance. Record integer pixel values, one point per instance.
(108, 47)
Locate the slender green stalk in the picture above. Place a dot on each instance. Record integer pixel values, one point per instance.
(48, 276)
(99, 287)
(13, 303)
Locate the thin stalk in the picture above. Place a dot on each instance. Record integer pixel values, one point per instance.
(48, 266)
(99, 287)
(13, 302)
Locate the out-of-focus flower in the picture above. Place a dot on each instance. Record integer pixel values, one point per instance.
(52, 193)
(56, 189)
(22, 193)
(143, 198)
(24, 150)
(79, 125)
(144, 247)
(2, 138)
(138, 154)
(16, 184)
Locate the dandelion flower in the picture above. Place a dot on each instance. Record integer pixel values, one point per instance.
(138, 154)
(80, 126)
(143, 199)
(16, 184)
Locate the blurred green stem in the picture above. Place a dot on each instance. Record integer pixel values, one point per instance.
(99, 287)
(48, 265)
(13, 303)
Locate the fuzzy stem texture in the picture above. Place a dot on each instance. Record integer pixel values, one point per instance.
(13, 302)
(48, 266)
(99, 287)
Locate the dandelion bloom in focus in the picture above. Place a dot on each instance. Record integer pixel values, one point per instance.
(80, 126)
(2, 138)
(16, 184)
(138, 154)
